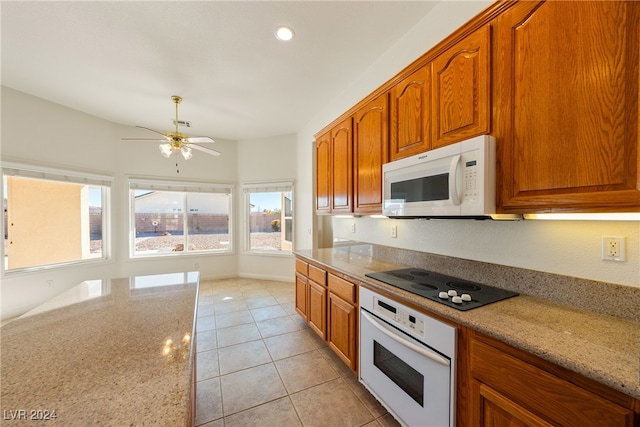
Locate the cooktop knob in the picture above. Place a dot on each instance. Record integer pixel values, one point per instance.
(452, 293)
(465, 297)
(456, 300)
(443, 295)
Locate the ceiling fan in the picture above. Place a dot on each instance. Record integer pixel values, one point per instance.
(177, 142)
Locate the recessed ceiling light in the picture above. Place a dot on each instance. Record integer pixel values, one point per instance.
(284, 33)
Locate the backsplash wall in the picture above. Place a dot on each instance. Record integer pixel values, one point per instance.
(571, 248)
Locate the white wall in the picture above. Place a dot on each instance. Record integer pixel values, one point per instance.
(266, 159)
(561, 247)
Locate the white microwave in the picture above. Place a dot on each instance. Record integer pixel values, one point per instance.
(458, 180)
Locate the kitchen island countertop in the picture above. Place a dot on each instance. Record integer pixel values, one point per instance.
(105, 352)
(600, 347)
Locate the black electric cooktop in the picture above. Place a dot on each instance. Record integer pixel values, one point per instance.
(452, 291)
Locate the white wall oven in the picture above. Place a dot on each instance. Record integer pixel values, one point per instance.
(407, 361)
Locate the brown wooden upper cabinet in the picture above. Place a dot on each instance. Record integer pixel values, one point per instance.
(323, 173)
(411, 114)
(566, 88)
(334, 170)
(555, 82)
(371, 151)
(342, 167)
(461, 89)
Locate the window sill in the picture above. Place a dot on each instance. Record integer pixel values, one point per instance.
(276, 254)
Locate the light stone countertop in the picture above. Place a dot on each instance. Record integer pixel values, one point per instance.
(98, 355)
(601, 347)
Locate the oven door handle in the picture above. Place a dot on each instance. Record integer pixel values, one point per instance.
(424, 352)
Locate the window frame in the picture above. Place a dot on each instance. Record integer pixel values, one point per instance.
(62, 175)
(184, 187)
(264, 187)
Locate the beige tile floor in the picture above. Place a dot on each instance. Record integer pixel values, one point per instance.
(259, 364)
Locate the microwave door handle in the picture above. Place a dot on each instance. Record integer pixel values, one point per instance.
(422, 351)
(453, 184)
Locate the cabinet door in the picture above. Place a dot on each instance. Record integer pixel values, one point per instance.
(341, 168)
(410, 107)
(461, 87)
(323, 174)
(566, 83)
(301, 295)
(499, 411)
(317, 308)
(527, 389)
(342, 331)
(371, 151)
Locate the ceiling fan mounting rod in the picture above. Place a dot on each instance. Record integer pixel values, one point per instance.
(177, 100)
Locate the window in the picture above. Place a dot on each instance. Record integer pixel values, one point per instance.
(172, 218)
(53, 217)
(269, 217)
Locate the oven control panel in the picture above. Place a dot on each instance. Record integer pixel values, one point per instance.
(398, 315)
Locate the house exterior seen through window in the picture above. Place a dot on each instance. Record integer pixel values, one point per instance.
(269, 217)
(175, 218)
(53, 218)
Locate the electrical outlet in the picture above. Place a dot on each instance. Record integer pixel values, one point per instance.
(353, 227)
(197, 265)
(49, 283)
(613, 248)
(394, 231)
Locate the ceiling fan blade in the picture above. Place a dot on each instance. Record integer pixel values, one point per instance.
(199, 139)
(204, 149)
(144, 139)
(154, 131)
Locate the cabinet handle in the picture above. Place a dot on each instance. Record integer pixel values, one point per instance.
(453, 180)
(422, 351)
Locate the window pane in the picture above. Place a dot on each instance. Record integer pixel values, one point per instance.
(174, 221)
(158, 221)
(208, 221)
(270, 221)
(50, 222)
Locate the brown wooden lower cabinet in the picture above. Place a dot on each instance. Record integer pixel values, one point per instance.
(302, 285)
(329, 305)
(342, 334)
(509, 391)
(317, 312)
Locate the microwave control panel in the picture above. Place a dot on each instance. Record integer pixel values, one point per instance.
(470, 189)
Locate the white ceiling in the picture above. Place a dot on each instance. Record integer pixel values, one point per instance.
(122, 60)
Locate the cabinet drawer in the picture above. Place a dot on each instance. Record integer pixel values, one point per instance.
(342, 288)
(302, 267)
(318, 275)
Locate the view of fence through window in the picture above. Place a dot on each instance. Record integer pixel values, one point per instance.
(49, 222)
(270, 219)
(175, 221)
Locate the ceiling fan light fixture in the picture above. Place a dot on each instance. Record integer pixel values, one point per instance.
(284, 33)
(186, 152)
(166, 150)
